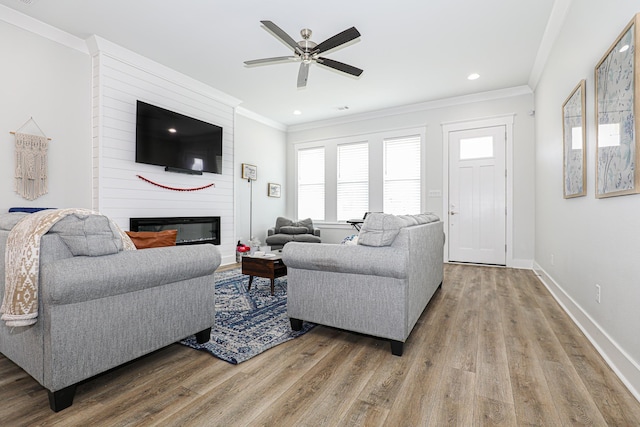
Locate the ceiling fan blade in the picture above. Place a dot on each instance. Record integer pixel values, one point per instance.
(339, 39)
(340, 66)
(267, 61)
(303, 74)
(280, 34)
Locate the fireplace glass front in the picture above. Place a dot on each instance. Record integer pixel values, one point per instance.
(191, 229)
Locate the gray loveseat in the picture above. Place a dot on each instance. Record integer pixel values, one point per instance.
(98, 312)
(287, 231)
(378, 287)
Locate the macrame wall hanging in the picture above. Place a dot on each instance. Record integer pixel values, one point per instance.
(31, 162)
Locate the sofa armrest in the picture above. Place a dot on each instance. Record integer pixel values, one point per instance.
(354, 259)
(316, 231)
(271, 231)
(81, 278)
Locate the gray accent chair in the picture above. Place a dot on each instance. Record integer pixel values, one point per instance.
(98, 312)
(377, 287)
(286, 231)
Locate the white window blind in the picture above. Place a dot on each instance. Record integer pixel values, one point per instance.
(353, 181)
(402, 175)
(311, 183)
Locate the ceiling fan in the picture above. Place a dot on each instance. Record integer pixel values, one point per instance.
(307, 51)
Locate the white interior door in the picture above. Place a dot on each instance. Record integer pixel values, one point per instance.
(477, 196)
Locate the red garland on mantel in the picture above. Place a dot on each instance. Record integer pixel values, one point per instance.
(174, 188)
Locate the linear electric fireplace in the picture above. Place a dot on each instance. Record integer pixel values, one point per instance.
(192, 230)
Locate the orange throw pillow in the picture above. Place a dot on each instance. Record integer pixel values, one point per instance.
(153, 239)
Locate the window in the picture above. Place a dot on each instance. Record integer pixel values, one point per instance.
(342, 178)
(476, 148)
(311, 183)
(402, 175)
(352, 180)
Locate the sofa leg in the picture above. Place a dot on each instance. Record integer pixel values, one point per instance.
(61, 399)
(397, 347)
(296, 324)
(203, 336)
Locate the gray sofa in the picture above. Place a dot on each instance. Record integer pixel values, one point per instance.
(98, 312)
(378, 287)
(286, 231)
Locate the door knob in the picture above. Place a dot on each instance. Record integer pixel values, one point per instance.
(453, 212)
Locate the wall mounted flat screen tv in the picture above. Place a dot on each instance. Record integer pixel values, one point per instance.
(178, 142)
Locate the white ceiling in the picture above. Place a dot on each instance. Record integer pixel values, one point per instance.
(411, 51)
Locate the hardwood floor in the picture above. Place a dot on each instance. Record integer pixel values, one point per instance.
(492, 348)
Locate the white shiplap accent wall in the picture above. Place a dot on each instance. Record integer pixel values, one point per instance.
(120, 78)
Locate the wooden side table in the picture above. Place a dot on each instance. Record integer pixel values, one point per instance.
(267, 267)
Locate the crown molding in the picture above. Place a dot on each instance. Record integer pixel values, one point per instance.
(412, 108)
(556, 20)
(261, 119)
(20, 20)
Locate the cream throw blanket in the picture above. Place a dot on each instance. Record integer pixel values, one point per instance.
(22, 263)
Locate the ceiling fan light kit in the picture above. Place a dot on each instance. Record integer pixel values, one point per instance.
(307, 51)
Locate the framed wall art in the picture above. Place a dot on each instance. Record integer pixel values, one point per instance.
(616, 98)
(273, 190)
(574, 143)
(249, 172)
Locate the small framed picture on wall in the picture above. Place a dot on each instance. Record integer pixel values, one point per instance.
(249, 172)
(273, 190)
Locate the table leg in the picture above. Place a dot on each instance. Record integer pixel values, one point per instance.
(250, 281)
(272, 287)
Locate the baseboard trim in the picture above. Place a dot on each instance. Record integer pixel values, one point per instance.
(523, 264)
(618, 360)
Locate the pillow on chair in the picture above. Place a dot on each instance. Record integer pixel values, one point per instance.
(291, 229)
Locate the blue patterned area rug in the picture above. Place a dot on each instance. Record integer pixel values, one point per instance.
(247, 323)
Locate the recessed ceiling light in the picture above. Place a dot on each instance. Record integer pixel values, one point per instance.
(297, 112)
(473, 76)
(172, 130)
(624, 48)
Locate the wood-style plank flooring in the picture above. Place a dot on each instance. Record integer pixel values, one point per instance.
(492, 348)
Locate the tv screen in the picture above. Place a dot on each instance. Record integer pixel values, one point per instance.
(170, 139)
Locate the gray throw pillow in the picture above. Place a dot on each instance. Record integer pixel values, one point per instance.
(88, 235)
(380, 229)
(290, 229)
(282, 222)
(305, 223)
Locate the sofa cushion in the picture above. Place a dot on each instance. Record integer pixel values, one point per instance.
(8, 220)
(291, 229)
(306, 238)
(380, 229)
(88, 235)
(279, 239)
(424, 218)
(153, 239)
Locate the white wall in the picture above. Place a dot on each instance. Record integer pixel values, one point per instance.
(433, 115)
(50, 82)
(591, 240)
(120, 78)
(264, 146)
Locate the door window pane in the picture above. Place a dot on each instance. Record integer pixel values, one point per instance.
(476, 148)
